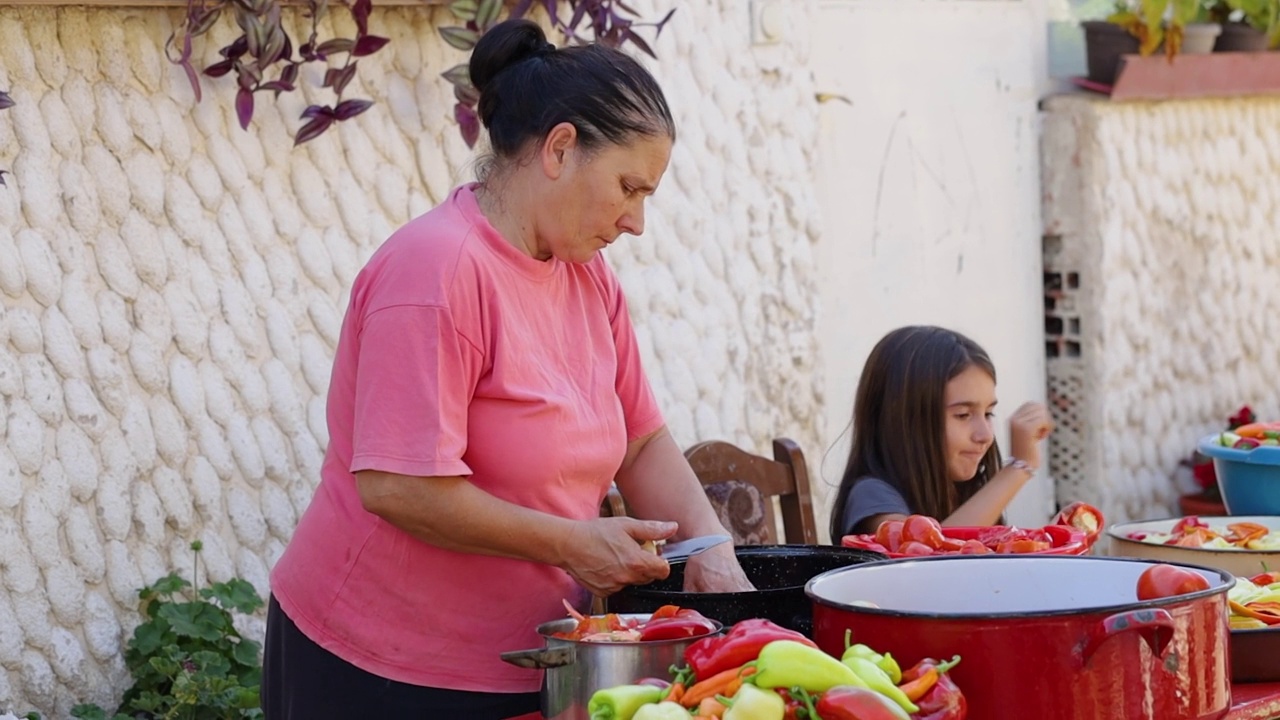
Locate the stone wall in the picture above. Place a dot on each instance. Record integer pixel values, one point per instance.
(1162, 246)
(172, 289)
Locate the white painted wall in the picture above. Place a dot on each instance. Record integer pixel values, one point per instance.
(929, 186)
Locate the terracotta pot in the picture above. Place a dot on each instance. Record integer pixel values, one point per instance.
(1049, 637)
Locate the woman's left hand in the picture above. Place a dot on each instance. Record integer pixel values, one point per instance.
(716, 570)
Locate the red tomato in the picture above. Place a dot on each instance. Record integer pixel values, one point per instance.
(1162, 581)
(911, 547)
(889, 534)
(924, 530)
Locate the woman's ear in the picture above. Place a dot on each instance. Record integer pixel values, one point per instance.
(556, 147)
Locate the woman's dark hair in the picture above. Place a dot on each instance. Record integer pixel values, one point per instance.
(899, 422)
(527, 87)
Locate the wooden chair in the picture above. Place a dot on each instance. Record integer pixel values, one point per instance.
(742, 487)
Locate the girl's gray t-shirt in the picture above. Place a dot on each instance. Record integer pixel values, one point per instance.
(870, 497)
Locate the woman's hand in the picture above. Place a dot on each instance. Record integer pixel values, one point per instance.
(605, 555)
(715, 570)
(1028, 426)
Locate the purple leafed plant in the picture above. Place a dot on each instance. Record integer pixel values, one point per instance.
(262, 57)
(609, 22)
(6, 102)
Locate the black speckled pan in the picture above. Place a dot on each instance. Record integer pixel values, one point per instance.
(779, 573)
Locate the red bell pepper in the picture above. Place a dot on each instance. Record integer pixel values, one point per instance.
(686, 623)
(741, 645)
(845, 702)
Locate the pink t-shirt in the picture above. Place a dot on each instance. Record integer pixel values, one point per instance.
(460, 355)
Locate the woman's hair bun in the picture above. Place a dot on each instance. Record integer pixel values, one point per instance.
(504, 45)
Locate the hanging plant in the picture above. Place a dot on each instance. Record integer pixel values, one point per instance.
(263, 61)
(6, 102)
(610, 22)
(262, 57)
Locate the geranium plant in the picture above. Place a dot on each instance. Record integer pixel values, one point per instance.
(1202, 466)
(262, 59)
(1262, 15)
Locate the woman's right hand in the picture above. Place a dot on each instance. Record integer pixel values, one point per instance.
(1030, 424)
(605, 555)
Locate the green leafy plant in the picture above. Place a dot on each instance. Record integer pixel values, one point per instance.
(187, 659)
(610, 22)
(1145, 20)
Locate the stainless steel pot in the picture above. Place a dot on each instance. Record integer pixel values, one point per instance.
(575, 670)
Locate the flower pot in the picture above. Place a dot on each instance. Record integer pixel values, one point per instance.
(1240, 37)
(1200, 38)
(1104, 44)
(1201, 504)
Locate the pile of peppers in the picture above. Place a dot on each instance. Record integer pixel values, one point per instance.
(1079, 524)
(761, 671)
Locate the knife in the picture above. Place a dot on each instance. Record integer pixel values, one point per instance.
(688, 548)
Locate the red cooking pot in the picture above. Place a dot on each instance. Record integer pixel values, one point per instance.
(1045, 637)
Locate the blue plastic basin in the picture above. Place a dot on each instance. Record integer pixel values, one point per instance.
(1248, 479)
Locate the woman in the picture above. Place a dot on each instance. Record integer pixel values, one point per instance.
(923, 441)
(486, 390)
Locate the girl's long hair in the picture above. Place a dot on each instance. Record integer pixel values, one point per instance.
(899, 422)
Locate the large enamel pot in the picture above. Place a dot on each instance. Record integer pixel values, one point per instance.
(575, 670)
(1050, 638)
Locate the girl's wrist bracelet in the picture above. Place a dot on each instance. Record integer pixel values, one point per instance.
(1023, 465)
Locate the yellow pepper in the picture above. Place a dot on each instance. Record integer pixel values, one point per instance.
(788, 664)
(753, 703)
(878, 680)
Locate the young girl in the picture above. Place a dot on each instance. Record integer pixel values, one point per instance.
(923, 441)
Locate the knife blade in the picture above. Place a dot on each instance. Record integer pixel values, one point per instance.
(693, 546)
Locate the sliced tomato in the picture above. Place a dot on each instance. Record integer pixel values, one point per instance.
(924, 530)
(915, 549)
(889, 535)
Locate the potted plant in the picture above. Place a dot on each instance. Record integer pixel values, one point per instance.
(1144, 27)
(1165, 23)
(1208, 500)
(1247, 25)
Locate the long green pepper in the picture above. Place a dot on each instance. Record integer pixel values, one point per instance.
(623, 701)
(787, 664)
(878, 680)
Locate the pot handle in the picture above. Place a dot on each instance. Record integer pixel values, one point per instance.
(541, 658)
(1155, 625)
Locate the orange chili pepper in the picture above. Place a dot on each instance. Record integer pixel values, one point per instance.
(675, 692)
(711, 707)
(725, 682)
(1268, 613)
(918, 688)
